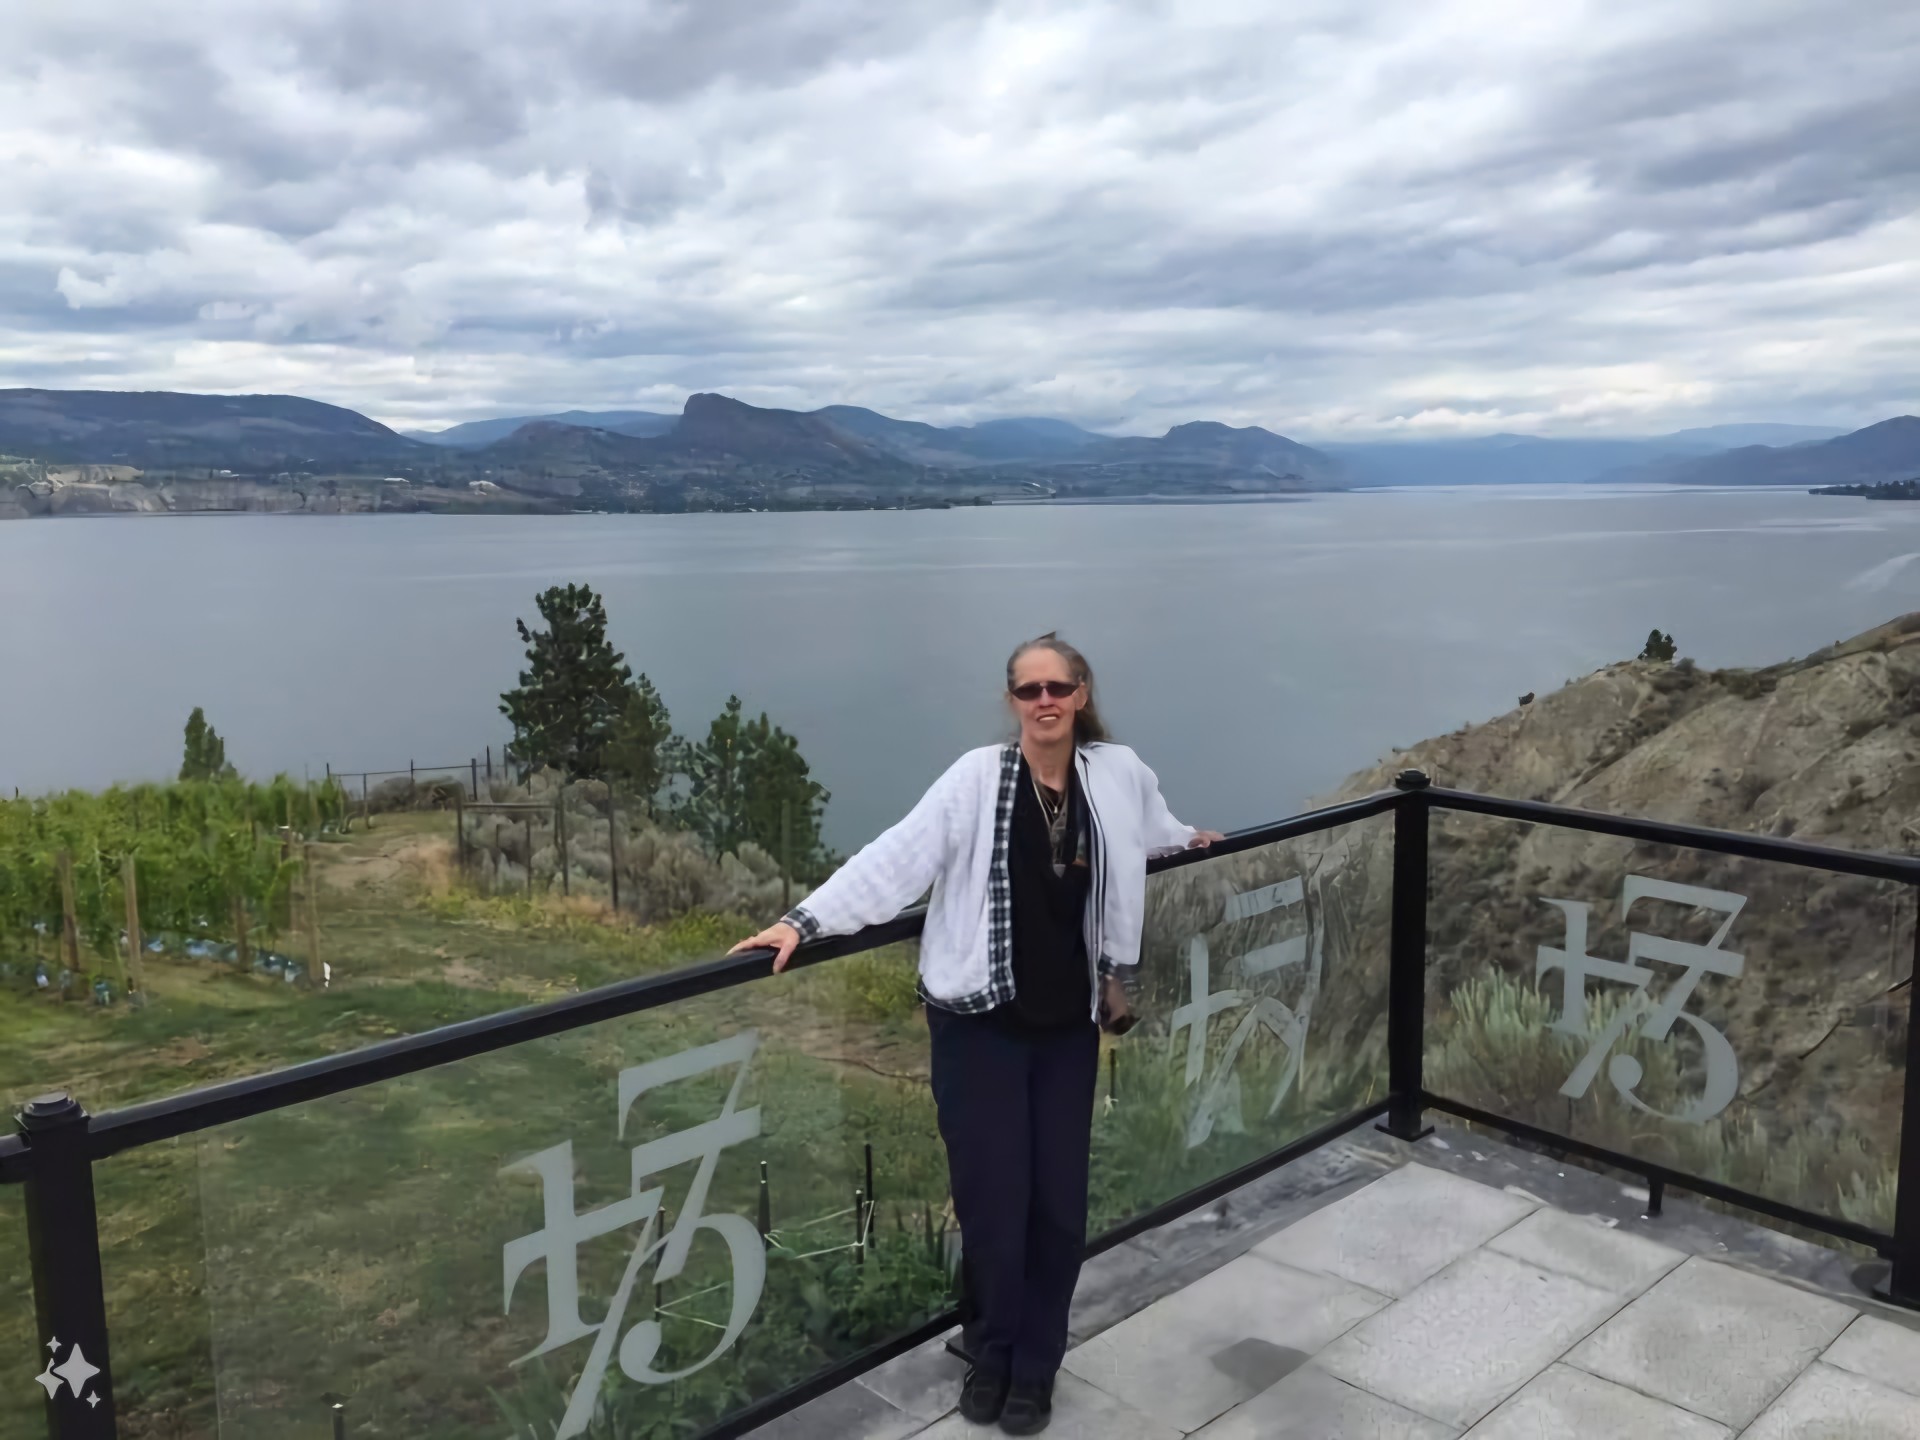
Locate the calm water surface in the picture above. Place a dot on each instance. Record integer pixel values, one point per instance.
(1255, 654)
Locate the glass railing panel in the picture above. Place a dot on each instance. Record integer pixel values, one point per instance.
(154, 1264)
(1262, 1003)
(645, 1224)
(22, 1405)
(1735, 1019)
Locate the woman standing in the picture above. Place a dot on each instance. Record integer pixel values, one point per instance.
(1036, 854)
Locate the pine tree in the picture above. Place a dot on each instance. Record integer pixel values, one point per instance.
(640, 755)
(1659, 648)
(782, 803)
(574, 690)
(715, 805)
(748, 782)
(205, 756)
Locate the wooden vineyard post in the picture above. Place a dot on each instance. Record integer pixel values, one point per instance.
(313, 918)
(135, 978)
(460, 832)
(786, 856)
(69, 919)
(528, 822)
(243, 949)
(613, 846)
(560, 836)
(499, 854)
(366, 805)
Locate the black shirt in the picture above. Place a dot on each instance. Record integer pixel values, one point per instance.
(1051, 980)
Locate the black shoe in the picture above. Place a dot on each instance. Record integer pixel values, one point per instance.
(982, 1394)
(1027, 1410)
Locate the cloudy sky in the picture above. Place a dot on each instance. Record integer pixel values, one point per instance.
(1337, 220)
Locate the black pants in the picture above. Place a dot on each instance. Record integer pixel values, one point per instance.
(1016, 1112)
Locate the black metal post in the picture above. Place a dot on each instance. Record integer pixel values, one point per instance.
(69, 1291)
(1903, 1280)
(766, 1203)
(1407, 962)
(869, 1175)
(460, 832)
(474, 765)
(1656, 1197)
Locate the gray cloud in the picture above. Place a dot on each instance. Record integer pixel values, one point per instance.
(1333, 220)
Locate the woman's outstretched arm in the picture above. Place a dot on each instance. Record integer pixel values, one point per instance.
(884, 878)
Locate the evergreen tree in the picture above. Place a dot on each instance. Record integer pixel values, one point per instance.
(748, 782)
(715, 808)
(641, 753)
(205, 757)
(779, 794)
(1659, 648)
(574, 690)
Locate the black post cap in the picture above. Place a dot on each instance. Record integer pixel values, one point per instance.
(1411, 780)
(44, 1111)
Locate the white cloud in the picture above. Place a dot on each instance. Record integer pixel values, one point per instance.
(1402, 218)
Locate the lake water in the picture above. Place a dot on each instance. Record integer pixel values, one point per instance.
(1255, 654)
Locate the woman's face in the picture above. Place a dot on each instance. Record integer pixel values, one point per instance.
(1044, 715)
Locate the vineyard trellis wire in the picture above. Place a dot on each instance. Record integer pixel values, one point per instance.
(91, 883)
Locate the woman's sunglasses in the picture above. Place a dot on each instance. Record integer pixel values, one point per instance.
(1053, 689)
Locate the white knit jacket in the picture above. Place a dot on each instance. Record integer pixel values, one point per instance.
(955, 840)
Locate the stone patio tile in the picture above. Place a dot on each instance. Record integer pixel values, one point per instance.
(1565, 1401)
(1312, 1405)
(1714, 1340)
(1399, 1231)
(924, 1382)
(1469, 1337)
(1830, 1404)
(1566, 1244)
(848, 1412)
(1879, 1350)
(1080, 1412)
(1224, 1339)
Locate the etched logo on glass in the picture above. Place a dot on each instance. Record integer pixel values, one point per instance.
(1293, 964)
(565, 1229)
(1646, 1015)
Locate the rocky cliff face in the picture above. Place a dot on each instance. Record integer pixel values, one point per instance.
(1805, 973)
(1823, 748)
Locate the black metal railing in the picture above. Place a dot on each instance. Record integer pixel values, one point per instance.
(58, 1144)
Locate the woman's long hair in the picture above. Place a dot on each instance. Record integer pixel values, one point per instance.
(1087, 724)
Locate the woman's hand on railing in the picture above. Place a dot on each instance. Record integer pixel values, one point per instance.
(1203, 838)
(780, 937)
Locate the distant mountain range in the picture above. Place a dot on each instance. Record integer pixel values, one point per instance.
(1531, 460)
(721, 453)
(475, 433)
(1879, 453)
(161, 430)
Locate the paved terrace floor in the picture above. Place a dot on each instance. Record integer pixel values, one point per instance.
(1454, 1288)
